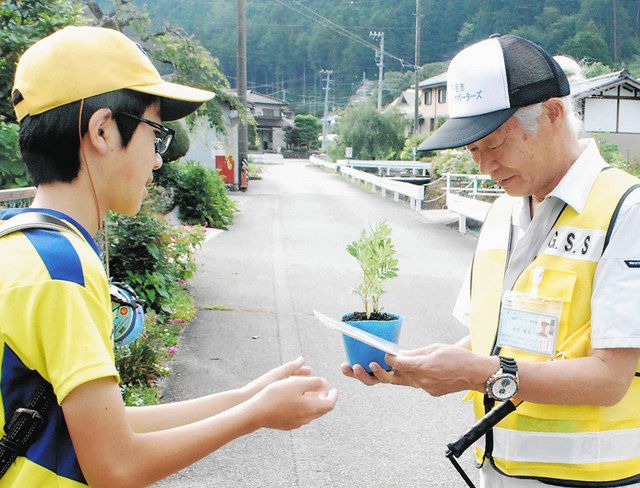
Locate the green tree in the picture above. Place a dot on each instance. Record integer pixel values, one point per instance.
(23, 22)
(177, 53)
(588, 44)
(395, 82)
(371, 134)
(309, 128)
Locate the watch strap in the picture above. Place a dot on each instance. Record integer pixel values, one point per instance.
(508, 365)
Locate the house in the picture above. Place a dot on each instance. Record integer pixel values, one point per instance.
(610, 105)
(208, 146)
(405, 105)
(432, 103)
(273, 116)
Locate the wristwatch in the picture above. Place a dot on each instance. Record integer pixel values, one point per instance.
(504, 383)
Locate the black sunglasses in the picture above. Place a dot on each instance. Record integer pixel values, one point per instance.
(164, 135)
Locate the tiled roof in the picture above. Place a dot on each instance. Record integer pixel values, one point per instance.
(591, 86)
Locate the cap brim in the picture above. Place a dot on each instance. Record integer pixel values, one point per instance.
(177, 100)
(466, 130)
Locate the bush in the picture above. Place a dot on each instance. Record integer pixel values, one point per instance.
(13, 172)
(199, 192)
(412, 141)
(152, 257)
(453, 161)
(156, 260)
(612, 155)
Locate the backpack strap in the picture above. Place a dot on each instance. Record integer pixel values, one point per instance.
(33, 220)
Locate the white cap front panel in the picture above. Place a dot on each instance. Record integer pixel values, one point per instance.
(477, 80)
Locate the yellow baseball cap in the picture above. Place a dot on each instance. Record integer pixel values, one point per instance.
(80, 62)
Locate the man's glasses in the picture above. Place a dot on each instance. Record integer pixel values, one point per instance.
(164, 135)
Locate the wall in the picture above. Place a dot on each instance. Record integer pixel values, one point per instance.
(207, 143)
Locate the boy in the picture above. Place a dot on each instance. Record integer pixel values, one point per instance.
(91, 106)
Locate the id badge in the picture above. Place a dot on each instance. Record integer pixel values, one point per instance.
(529, 323)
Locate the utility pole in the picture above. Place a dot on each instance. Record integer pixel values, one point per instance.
(304, 85)
(242, 83)
(416, 114)
(327, 87)
(380, 62)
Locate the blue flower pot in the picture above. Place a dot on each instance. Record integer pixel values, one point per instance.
(362, 354)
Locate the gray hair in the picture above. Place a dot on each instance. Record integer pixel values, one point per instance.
(528, 116)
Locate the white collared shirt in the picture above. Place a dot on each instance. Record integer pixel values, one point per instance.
(615, 303)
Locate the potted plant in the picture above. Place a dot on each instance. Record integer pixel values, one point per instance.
(376, 255)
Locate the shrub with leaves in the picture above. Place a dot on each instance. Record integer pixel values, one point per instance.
(151, 257)
(457, 161)
(13, 172)
(612, 155)
(410, 143)
(376, 255)
(199, 192)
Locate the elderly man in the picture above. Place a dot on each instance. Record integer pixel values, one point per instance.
(560, 247)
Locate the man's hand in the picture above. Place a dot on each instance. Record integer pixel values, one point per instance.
(292, 368)
(438, 369)
(293, 402)
(379, 375)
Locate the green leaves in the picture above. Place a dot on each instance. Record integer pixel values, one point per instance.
(200, 193)
(371, 134)
(23, 22)
(376, 255)
(13, 172)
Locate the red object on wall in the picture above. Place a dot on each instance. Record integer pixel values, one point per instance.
(227, 167)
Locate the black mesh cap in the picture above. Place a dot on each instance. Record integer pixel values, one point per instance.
(532, 76)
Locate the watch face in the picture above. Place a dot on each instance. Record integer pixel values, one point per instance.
(504, 388)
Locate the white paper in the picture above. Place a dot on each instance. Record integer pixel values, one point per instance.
(360, 335)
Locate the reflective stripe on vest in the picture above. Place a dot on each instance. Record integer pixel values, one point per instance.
(568, 442)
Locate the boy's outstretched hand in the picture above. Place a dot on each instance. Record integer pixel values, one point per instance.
(292, 368)
(293, 402)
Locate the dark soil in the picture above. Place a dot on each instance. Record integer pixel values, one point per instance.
(360, 316)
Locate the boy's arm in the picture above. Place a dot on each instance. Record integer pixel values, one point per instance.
(161, 417)
(111, 454)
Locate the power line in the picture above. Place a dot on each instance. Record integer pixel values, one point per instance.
(323, 21)
(350, 34)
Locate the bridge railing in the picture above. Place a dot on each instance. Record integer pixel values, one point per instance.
(17, 198)
(463, 196)
(387, 166)
(318, 161)
(415, 193)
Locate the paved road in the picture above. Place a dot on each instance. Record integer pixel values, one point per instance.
(284, 256)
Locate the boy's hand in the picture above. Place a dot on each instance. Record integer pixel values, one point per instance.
(292, 368)
(293, 402)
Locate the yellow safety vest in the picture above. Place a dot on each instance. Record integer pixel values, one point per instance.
(566, 442)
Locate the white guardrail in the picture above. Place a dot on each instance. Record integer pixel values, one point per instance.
(415, 193)
(462, 197)
(17, 196)
(316, 161)
(387, 165)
